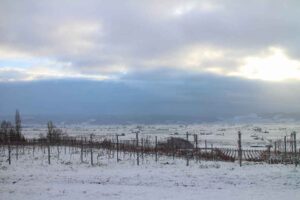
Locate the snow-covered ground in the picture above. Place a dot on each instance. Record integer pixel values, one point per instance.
(30, 177)
(218, 134)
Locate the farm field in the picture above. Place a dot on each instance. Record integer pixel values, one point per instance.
(66, 178)
(31, 177)
(218, 134)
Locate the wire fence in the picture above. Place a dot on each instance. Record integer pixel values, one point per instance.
(281, 151)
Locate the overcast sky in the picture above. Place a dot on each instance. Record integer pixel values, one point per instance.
(179, 57)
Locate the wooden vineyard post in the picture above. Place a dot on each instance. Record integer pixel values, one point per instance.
(187, 159)
(155, 148)
(48, 146)
(81, 151)
(295, 148)
(284, 149)
(173, 149)
(187, 136)
(17, 150)
(9, 150)
(292, 143)
(91, 149)
(117, 148)
(212, 151)
(137, 149)
(58, 151)
(142, 153)
(295, 143)
(65, 142)
(85, 149)
(196, 140)
(240, 148)
(269, 154)
(43, 145)
(33, 148)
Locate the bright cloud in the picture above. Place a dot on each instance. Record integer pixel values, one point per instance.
(105, 39)
(45, 70)
(274, 65)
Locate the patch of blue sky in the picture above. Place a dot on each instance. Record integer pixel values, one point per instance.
(22, 63)
(16, 63)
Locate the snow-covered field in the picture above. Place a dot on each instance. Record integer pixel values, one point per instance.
(30, 177)
(218, 134)
(66, 178)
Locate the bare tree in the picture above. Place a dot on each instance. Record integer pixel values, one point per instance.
(18, 125)
(4, 126)
(54, 134)
(7, 131)
(50, 130)
(4, 131)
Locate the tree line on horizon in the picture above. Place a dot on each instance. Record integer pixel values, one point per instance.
(12, 132)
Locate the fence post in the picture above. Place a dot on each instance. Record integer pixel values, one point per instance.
(285, 149)
(155, 148)
(292, 143)
(137, 149)
(85, 149)
(17, 150)
(117, 148)
(66, 142)
(269, 154)
(9, 150)
(196, 140)
(33, 148)
(91, 149)
(81, 151)
(295, 147)
(212, 151)
(58, 151)
(173, 149)
(48, 145)
(142, 140)
(187, 159)
(240, 147)
(187, 136)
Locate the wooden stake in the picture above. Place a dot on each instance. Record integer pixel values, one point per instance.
(196, 140)
(295, 147)
(17, 150)
(137, 150)
(117, 148)
(155, 148)
(91, 148)
(284, 149)
(81, 151)
(9, 152)
(49, 162)
(240, 148)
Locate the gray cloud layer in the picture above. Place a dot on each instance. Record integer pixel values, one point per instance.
(109, 37)
(156, 57)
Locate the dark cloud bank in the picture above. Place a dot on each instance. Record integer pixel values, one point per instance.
(143, 98)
